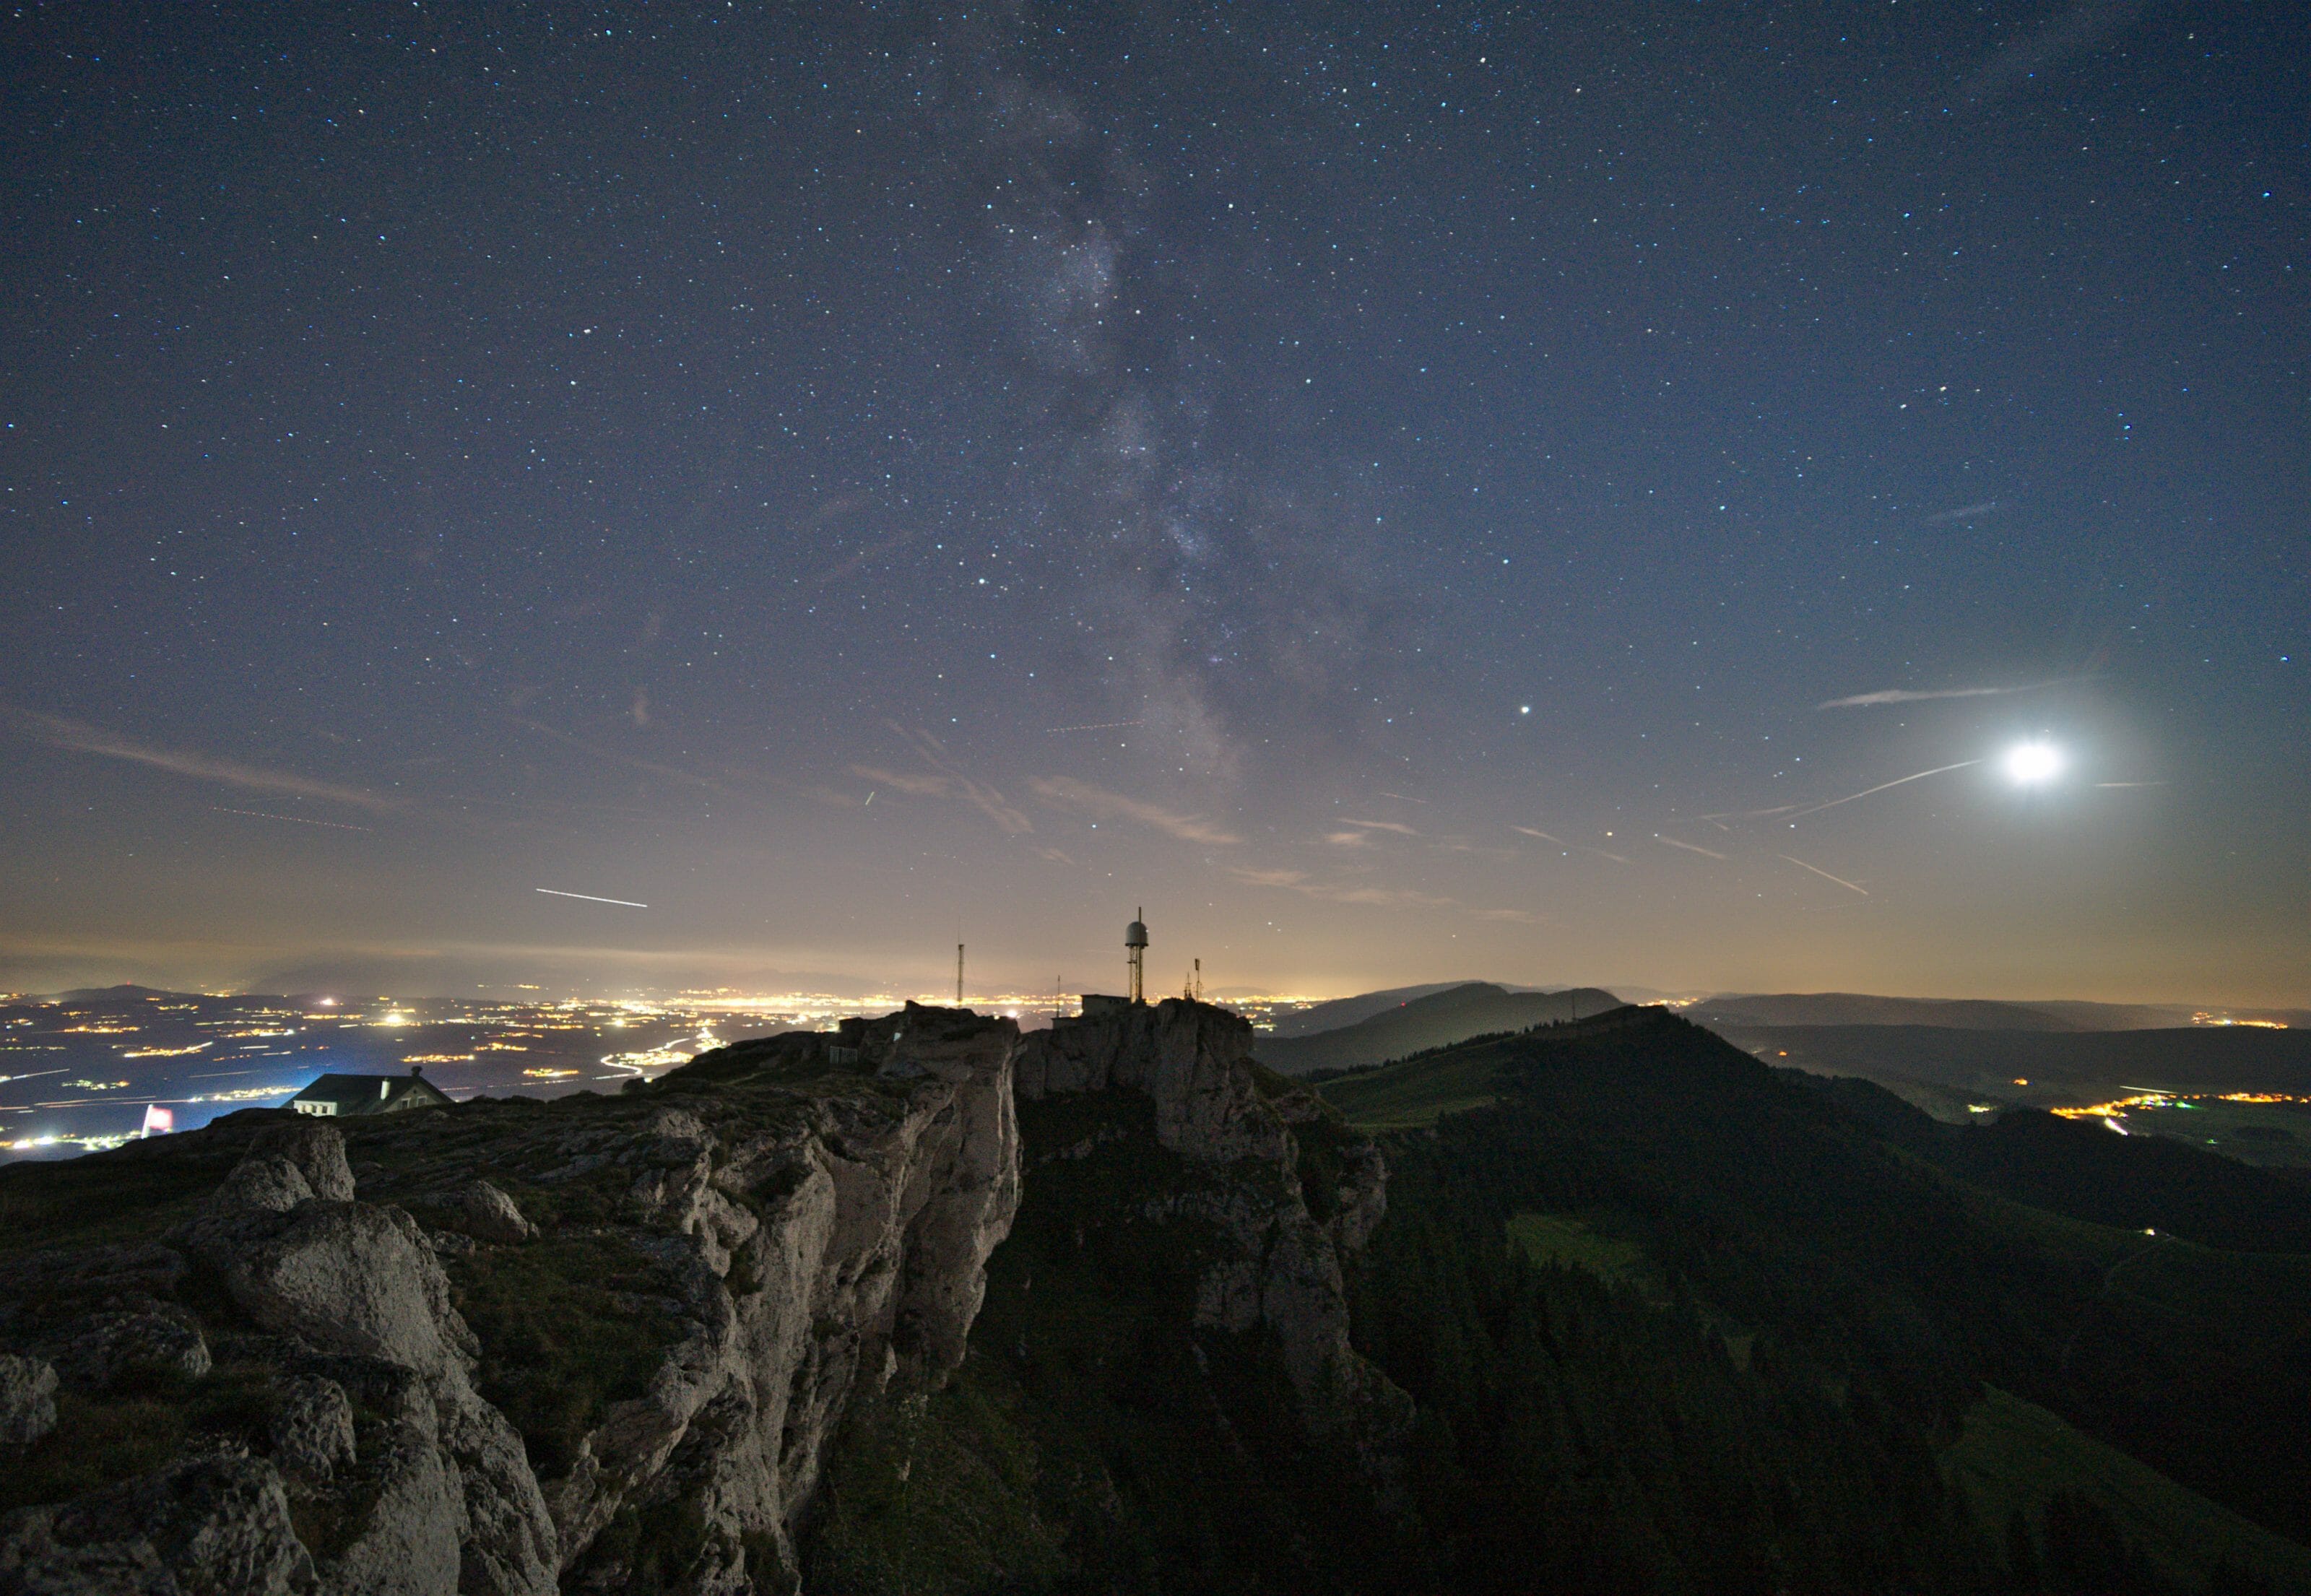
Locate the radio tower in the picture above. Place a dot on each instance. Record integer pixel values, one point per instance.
(1135, 946)
(958, 975)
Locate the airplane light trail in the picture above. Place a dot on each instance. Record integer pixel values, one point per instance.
(1881, 787)
(293, 819)
(1826, 876)
(590, 898)
(1096, 725)
(1689, 847)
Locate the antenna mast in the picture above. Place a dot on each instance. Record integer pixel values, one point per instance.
(958, 975)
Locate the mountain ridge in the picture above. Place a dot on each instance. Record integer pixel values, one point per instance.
(1434, 1019)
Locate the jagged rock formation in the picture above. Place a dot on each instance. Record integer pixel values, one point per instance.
(1274, 1265)
(515, 1347)
(545, 1346)
(1160, 1392)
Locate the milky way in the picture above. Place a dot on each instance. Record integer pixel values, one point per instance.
(1401, 494)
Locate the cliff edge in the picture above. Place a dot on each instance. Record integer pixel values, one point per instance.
(511, 1346)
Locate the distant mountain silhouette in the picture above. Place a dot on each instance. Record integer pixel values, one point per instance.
(1435, 1019)
(125, 992)
(1967, 1014)
(1348, 1011)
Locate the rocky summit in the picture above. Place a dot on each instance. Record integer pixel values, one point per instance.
(607, 1343)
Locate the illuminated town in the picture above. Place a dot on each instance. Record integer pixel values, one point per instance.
(95, 1070)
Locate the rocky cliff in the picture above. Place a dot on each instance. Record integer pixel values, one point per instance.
(1281, 1190)
(511, 1346)
(1160, 1392)
(612, 1343)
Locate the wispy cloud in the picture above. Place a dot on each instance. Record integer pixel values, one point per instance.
(1514, 917)
(2082, 27)
(1253, 875)
(1862, 700)
(1397, 826)
(79, 737)
(1081, 797)
(913, 786)
(947, 779)
(1963, 512)
(1335, 892)
(614, 757)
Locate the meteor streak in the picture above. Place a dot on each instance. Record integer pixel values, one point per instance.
(590, 898)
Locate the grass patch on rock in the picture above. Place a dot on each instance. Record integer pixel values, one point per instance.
(567, 1328)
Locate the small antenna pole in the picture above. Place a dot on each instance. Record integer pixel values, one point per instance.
(958, 975)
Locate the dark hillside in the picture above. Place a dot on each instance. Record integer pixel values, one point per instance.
(1885, 1285)
(2079, 1168)
(2059, 1067)
(1437, 1020)
(2135, 1181)
(1863, 1008)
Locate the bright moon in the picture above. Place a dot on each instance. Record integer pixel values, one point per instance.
(2031, 763)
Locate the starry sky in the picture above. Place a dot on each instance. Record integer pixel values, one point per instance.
(1403, 492)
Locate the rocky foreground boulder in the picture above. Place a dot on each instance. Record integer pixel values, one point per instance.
(600, 1343)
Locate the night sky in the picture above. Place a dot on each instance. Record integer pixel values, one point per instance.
(1401, 492)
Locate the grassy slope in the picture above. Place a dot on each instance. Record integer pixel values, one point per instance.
(2015, 1455)
(1574, 1244)
(1413, 1094)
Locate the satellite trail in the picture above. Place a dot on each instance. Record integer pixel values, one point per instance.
(590, 898)
(334, 826)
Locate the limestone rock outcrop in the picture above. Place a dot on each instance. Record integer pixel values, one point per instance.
(28, 1398)
(544, 1346)
(675, 1292)
(1276, 1264)
(492, 1217)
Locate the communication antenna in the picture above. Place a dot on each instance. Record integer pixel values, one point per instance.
(958, 975)
(1135, 948)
